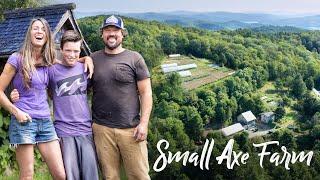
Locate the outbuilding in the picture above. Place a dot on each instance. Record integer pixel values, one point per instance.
(13, 29)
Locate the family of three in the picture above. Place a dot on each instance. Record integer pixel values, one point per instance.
(74, 143)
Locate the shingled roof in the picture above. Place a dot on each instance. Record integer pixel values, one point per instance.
(15, 25)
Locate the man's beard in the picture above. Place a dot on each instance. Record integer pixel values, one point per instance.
(112, 47)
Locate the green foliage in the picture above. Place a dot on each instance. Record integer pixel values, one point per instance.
(179, 116)
(148, 46)
(6, 5)
(192, 121)
(298, 87)
(315, 132)
(280, 112)
(168, 44)
(309, 105)
(172, 130)
(8, 165)
(6, 153)
(225, 109)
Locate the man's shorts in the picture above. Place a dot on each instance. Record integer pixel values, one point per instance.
(31, 132)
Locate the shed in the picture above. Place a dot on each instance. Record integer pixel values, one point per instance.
(267, 117)
(12, 30)
(247, 118)
(230, 130)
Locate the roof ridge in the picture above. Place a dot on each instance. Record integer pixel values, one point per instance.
(23, 12)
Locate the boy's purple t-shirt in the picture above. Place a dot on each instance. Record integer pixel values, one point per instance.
(32, 100)
(68, 86)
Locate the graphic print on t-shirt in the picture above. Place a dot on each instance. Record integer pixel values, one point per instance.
(71, 86)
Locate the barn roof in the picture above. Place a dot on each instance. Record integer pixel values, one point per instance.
(15, 25)
(227, 131)
(248, 116)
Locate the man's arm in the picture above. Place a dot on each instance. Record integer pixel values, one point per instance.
(145, 92)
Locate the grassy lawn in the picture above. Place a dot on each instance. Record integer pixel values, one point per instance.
(42, 173)
(270, 94)
(290, 118)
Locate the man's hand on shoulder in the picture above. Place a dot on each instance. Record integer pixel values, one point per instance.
(88, 65)
(57, 61)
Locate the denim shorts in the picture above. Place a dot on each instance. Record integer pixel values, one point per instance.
(31, 132)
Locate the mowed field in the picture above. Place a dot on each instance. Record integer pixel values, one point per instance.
(203, 74)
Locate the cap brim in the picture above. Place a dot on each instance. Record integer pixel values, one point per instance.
(114, 25)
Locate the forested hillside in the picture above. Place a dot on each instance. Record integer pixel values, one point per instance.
(289, 60)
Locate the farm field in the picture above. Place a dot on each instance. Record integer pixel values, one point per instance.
(203, 74)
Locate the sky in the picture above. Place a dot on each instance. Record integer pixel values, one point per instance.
(285, 7)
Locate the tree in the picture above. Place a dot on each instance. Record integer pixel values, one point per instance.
(280, 173)
(309, 105)
(288, 140)
(169, 88)
(315, 120)
(195, 48)
(6, 5)
(310, 83)
(298, 87)
(168, 44)
(243, 141)
(193, 122)
(278, 85)
(164, 109)
(172, 130)
(315, 132)
(206, 105)
(182, 43)
(225, 108)
(250, 102)
(280, 112)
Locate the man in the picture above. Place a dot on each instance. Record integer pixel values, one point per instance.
(122, 103)
(68, 86)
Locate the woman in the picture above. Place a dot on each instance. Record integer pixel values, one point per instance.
(30, 121)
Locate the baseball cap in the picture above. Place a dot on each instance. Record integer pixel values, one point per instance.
(113, 21)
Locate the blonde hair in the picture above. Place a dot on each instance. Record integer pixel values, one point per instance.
(47, 52)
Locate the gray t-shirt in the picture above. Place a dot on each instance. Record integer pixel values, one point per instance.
(115, 100)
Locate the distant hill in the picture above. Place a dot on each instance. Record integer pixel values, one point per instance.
(308, 22)
(220, 20)
(275, 29)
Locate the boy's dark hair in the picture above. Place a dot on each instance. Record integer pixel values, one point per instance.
(70, 36)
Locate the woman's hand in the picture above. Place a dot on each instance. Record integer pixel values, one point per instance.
(22, 116)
